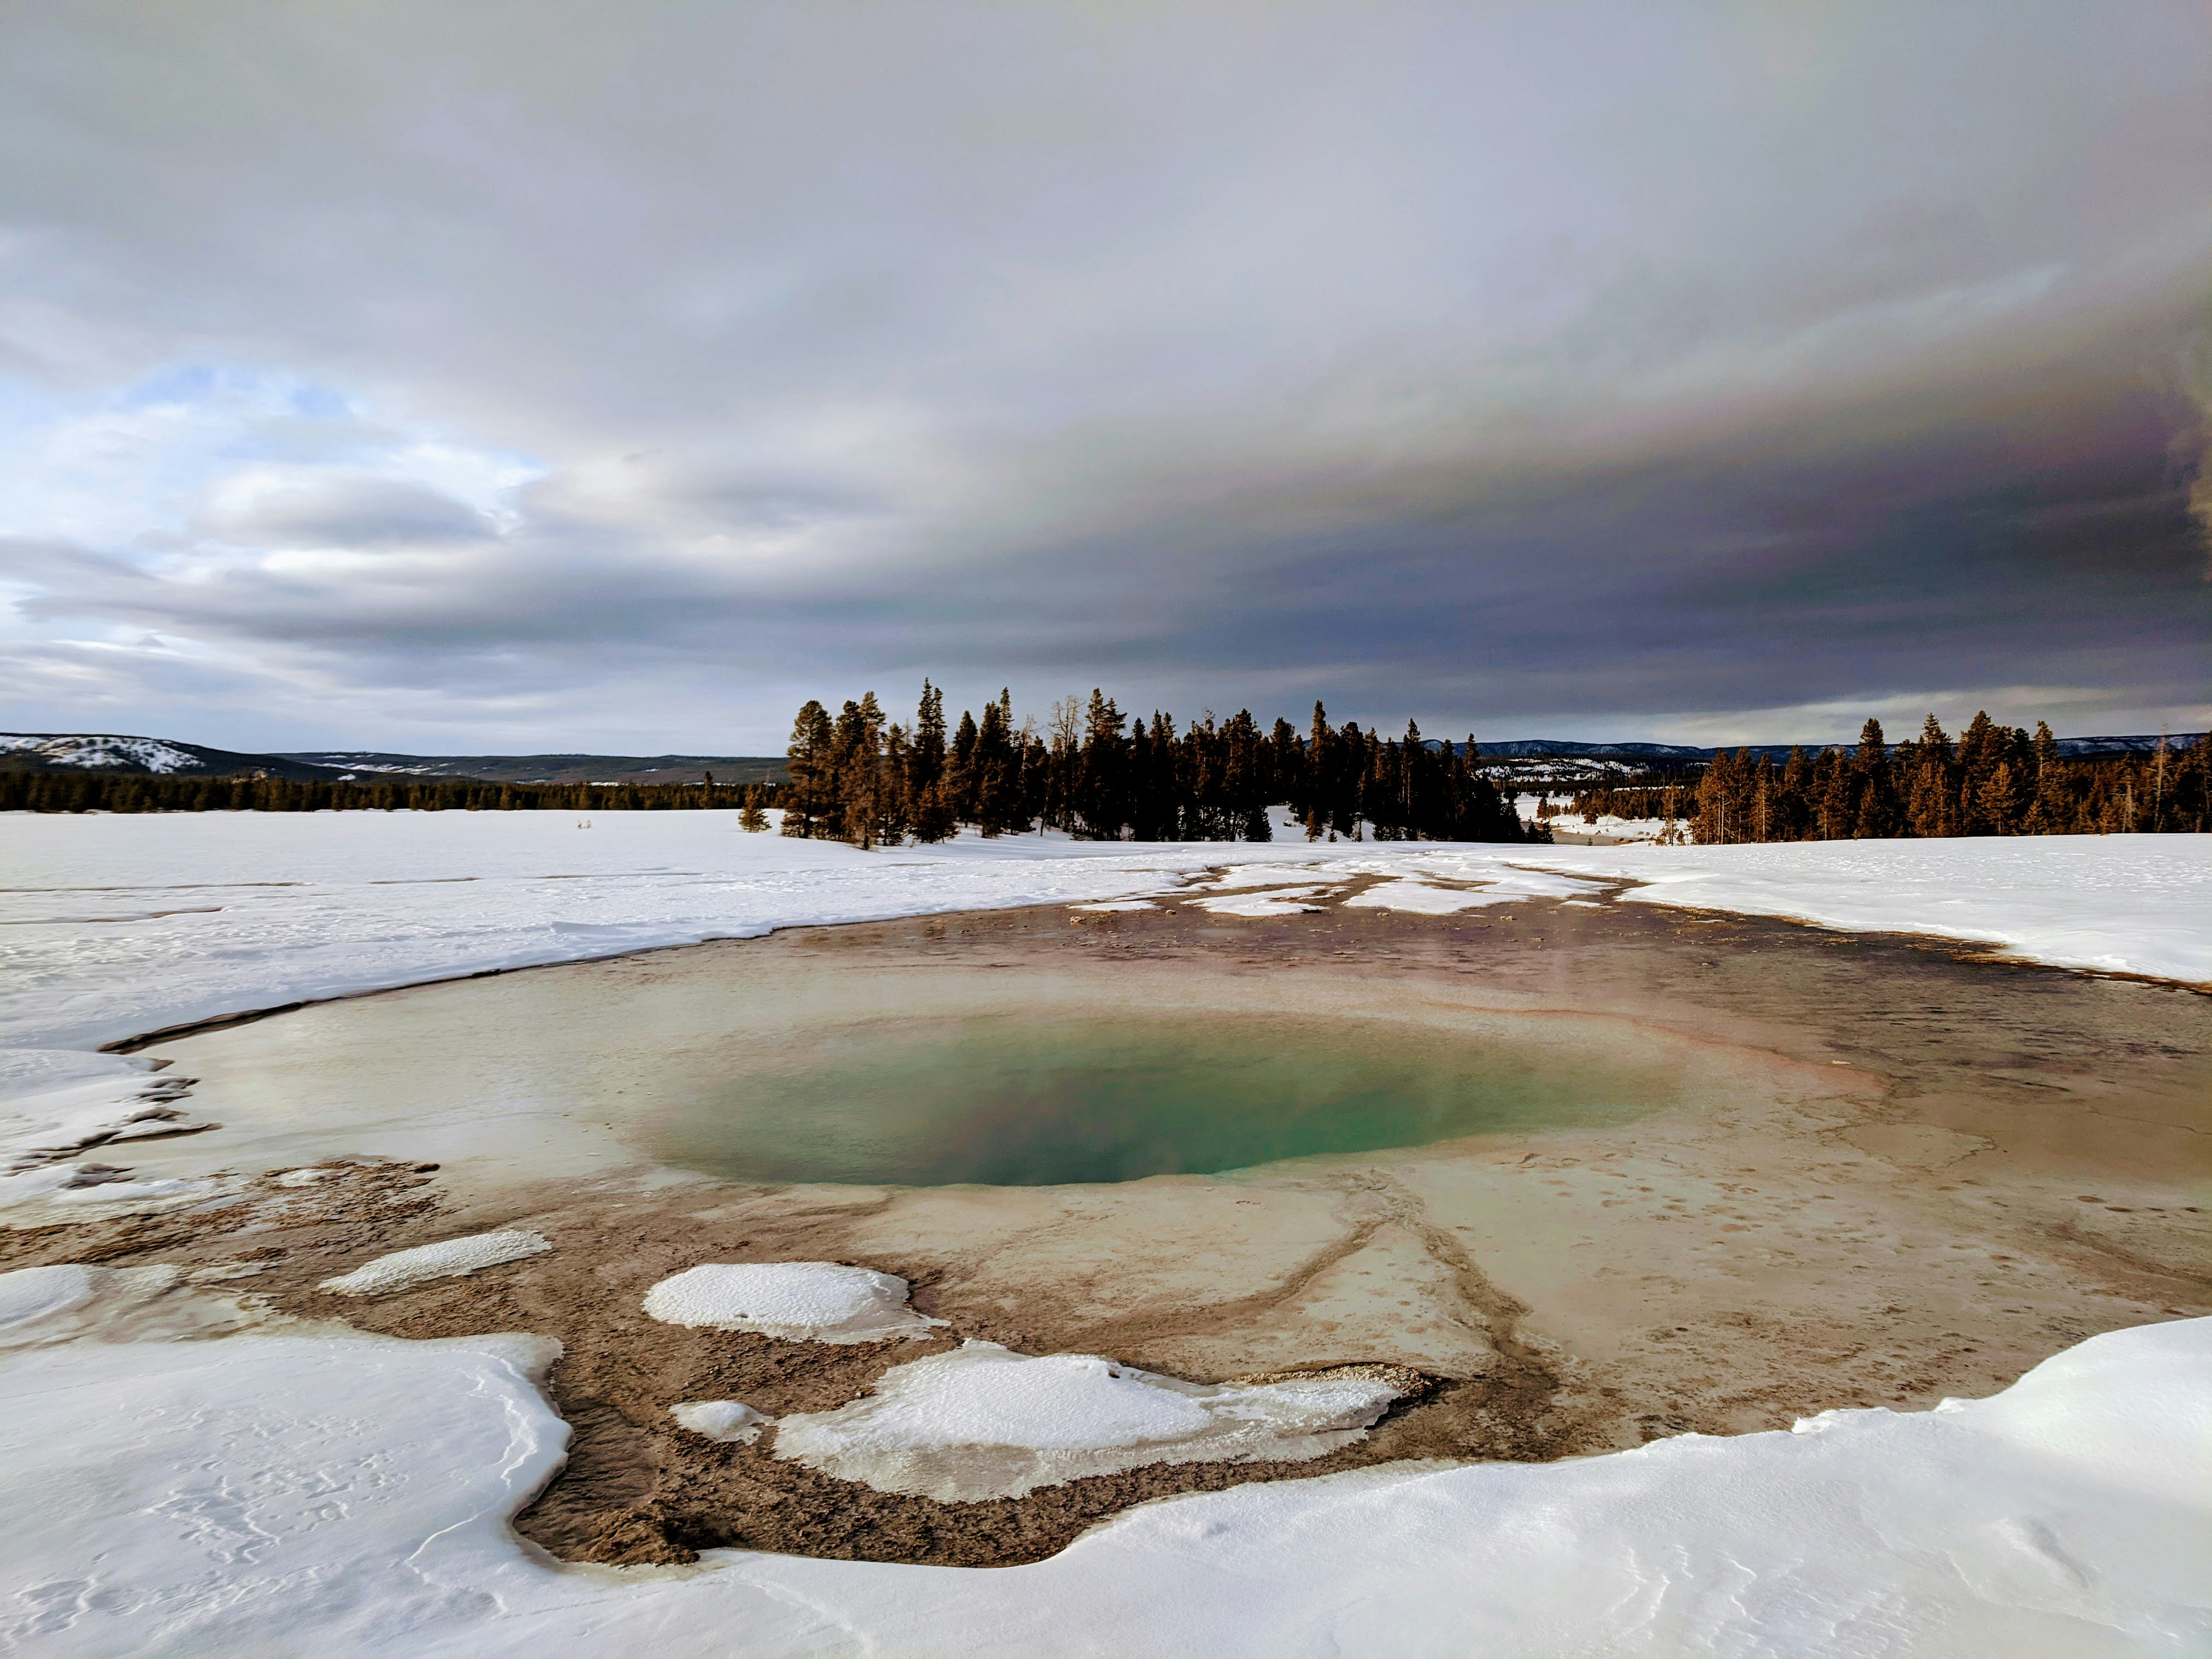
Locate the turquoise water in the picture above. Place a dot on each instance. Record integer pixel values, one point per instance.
(1024, 1102)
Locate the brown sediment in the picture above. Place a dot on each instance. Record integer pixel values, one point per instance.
(1911, 1175)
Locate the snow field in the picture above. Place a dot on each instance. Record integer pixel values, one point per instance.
(795, 1301)
(983, 1421)
(348, 1494)
(215, 913)
(405, 1269)
(2115, 904)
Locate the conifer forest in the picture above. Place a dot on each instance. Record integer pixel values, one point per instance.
(1096, 773)
(1100, 775)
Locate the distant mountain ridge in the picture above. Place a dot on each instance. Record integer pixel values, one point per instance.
(1560, 748)
(103, 752)
(372, 764)
(113, 753)
(119, 754)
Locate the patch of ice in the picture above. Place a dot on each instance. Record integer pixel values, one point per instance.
(303, 1177)
(30, 1293)
(731, 1421)
(983, 1421)
(1118, 904)
(795, 1301)
(405, 1269)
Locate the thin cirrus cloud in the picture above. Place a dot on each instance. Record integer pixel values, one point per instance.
(618, 377)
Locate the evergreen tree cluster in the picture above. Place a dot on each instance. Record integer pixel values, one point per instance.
(1636, 800)
(1994, 780)
(1102, 775)
(75, 790)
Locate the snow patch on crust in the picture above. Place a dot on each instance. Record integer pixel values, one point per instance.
(1258, 875)
(1279, 902)
(404, 1269)
(1420, 898)
(796, 1301)
(30, 1293)
(731, 1421)
(983, 1422)
(1118, 904)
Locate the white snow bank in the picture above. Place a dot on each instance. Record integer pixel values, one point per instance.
(729, 1420)
(983, 1422)
(796, 1301)
(405, 1269)
(348, 1494)
(2122, 904)
(56, 1111)
(30, 1293)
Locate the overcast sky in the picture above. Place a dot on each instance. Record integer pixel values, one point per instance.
(611, 377)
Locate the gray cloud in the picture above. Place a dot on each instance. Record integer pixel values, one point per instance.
(1579, 368)
(337, 510)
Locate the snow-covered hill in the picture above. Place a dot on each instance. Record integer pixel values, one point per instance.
(105, 751)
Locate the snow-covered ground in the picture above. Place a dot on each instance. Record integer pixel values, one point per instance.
(2115, 904)
(348, 1495)
(266, 1492)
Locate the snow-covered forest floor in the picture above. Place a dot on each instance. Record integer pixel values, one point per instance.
(193, 1477)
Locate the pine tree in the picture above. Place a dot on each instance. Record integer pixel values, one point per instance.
(810, 760)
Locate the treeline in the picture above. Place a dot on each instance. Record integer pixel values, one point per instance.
(1101, 775)
(1633, 800)
(107, 791)
(1993, 781)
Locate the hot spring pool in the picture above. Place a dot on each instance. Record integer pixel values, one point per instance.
(928, 1076)
(1026, 1102)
